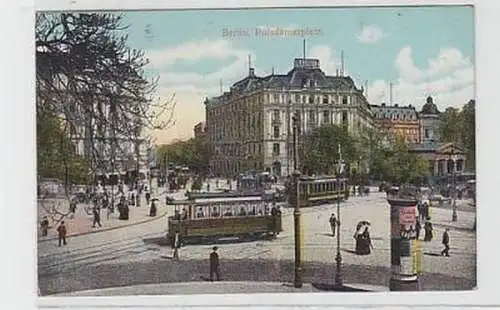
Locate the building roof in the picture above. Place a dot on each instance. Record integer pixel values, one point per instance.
(426, 146)
(430, 108)
(394, 112)
(306, 73)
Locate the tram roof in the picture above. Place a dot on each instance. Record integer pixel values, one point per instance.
(320, 179)
(224, 194)
(228, 199)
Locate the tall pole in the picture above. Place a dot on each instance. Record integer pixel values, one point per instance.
(454, 215)
(338, 258)
(295, 199)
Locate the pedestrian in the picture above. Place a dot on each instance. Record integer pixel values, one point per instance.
(152, 210)
(428, 230)
(177, 245)
(97, 217)
(214, 264)
(446, 243)
(61, 231)
(44, 224)
(418, 227)
(333, 224)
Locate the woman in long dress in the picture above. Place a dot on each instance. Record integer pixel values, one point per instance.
(366, 242)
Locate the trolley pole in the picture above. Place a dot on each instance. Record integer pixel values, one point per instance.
(338, 258)
(295, 200)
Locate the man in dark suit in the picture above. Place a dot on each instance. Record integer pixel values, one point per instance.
(61, 230)
(214, 264)
(446, 243)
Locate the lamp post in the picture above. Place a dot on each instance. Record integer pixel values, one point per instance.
(295, 199)
(338, 258)
(454, 215)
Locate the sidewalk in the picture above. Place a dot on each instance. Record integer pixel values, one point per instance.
(81, 223)
(222, 287)
(442, 217)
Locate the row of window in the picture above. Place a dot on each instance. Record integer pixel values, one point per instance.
(311, 99)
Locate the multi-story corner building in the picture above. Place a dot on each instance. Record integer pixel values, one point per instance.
(250, 126)
(430, 121)
(398, 120)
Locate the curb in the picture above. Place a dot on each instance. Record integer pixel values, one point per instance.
(109, 228)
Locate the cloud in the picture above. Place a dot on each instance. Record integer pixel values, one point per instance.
(328, 58)
(191, 88)
(370, 34)
(448, 78)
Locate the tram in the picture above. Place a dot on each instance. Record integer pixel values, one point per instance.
(322, 189)
(212, 217)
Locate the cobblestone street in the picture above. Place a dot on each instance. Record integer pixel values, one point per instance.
(134, 255)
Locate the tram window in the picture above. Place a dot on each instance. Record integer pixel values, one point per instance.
(184, 214)
(228, 212)
(243, 212)
(214, 212)
(252, 210)
(200, 213)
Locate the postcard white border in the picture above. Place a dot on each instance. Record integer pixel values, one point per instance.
(18, 162)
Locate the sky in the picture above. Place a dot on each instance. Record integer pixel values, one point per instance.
(422, 51)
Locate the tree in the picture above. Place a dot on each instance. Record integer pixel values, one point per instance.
(459, 126)
(86, 74)
(404, 166)
(319, 152)
(92, 86)
(468, 134)
(56, 157)
(373, 145)
(451, 125)
(194, 153)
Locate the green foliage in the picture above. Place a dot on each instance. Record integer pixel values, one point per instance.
(193, 153)
(459, 126)
(389, 158)
(56, 157)
(451, 125)
(319, 149)
(404, 165)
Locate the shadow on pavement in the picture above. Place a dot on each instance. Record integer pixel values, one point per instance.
(333, 288)
(349, 251)
(90, 277)
(432, 254)
(161, 241)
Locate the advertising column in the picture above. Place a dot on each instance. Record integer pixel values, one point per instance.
(404, 262)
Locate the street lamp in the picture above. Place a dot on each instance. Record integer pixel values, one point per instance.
(295, 197)
(454, 216)
(338, 258)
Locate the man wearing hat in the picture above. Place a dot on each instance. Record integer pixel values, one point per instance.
(61, 230)
(45, 225)
(214, 264)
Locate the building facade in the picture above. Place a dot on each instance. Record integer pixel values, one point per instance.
(444, 158)
(398, 120)
(250, 126)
